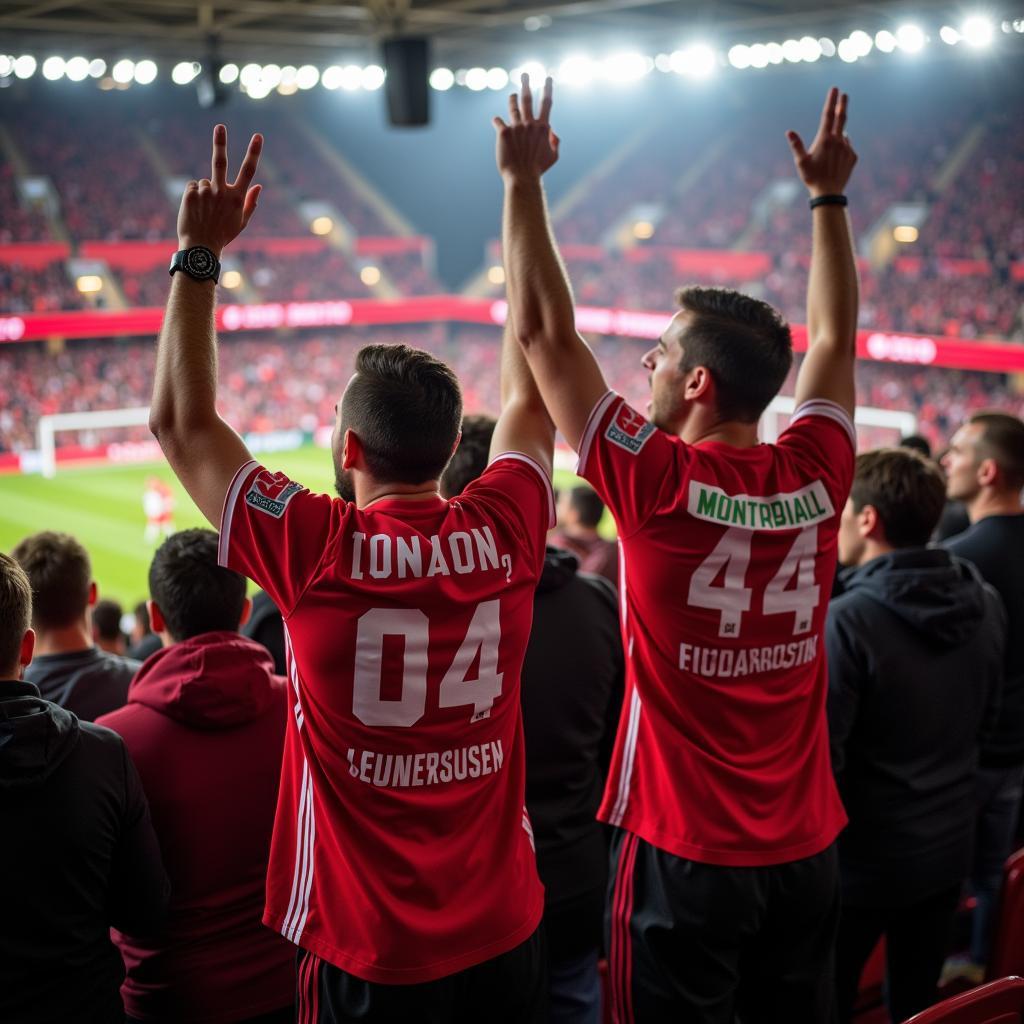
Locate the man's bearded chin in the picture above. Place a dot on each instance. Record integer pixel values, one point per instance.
(344, 485)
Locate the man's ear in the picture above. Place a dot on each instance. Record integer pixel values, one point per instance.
(156, 617)
(93, 593)
(28, 646)
(699, 384)
(988, 472)
(351, 450)
(455, 447)
(246, 613)
(869, 522)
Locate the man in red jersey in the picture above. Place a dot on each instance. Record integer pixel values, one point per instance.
(724, 895)
(402, 860)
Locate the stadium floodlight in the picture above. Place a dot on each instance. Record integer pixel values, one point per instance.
(287, 89)
(643, 229)
(370, 275)
(828, 48)
(53, 68)
(6, 65)
(533, 69)
(698, 61)
(249, 75)
(145, 72)
(372, 77)
(949, 35)
(774, 51)
(441, 79)
(123, 71)
(623, 68)
(847, 51)
(810, 49)
(978, 31)
(270, 76)
(25, 66)
(351, 77)
(229, 74)
(862, 41)
(290, 77)
(576, 70)
(663, 62)
(476, 79)
(885, 41)
(739, 56)
(231, 279)
(497, 79)
(307, 76)
(89, 284)
(792, 51)
(97, 68)
(910, 38)
(496, 274)
(331, 78)
(183, 73)
(905, 233)
(77, 69)
(322, 225)
(759, 56)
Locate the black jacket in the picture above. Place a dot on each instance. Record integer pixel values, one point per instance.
(88, 683)
(77, 855)
(996, 546)
(915, 655)
(571, 695)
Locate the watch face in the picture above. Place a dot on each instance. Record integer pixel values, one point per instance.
(200, 262)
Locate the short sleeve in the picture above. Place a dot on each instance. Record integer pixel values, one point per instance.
(628, 461)
(823, 435)
(274, 531)
(516, 489)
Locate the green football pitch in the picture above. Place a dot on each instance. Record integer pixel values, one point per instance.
(102, 507)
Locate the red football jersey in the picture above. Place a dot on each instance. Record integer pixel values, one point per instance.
(727, 557)
(402, 850)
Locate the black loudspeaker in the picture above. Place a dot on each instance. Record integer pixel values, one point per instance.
(406, 60)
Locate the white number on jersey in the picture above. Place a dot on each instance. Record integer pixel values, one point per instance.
(732, 596)
(483, 636)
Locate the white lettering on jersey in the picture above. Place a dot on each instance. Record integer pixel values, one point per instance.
(427, 768)
(734, 662)
(387, 557)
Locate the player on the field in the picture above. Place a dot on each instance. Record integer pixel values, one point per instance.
(724, 895)
(158, 504)
(402, 861)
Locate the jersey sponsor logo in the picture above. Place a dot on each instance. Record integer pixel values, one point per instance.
(430, 768)
(271, 492)
(794, 510)
(733, 662)
(628, 429)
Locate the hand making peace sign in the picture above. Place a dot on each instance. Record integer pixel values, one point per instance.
(527, 146)
(213, 212)
(826, 167)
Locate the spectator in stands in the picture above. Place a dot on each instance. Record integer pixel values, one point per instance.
(917, 443)
(69, 669)
(266, 627)
(579, 513)
(985, 470)
(106, 628)
(78, 853)
(905, 719)
(144, 641)
(571, 694)
(204, 723)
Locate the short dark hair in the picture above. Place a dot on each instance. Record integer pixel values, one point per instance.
(745, 343)
(106, 617)
(906, 489)
(194, 594)
(470, 458)
(405, 406)
(587, 505)
(15, 611)
(1003, 440)
(142, 616)
(59, 570)
(917, 443)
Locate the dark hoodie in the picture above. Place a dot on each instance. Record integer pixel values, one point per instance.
(571, 696)
(78, 854)
(205, 723)
(915, 653)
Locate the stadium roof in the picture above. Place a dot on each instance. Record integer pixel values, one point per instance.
(471, 30)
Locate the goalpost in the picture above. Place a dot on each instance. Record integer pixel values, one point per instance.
(903, 423)
(50, 425)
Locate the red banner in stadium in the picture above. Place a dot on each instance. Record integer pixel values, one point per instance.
(958, 353)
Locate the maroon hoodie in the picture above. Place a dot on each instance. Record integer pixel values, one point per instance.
(204, 724)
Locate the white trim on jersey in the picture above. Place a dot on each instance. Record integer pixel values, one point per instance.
(540, 472)
(830, 410)
(591, 428)
(628, 757)
(228, 511)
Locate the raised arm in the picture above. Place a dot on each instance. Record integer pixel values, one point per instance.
(539, 295)
(832, 290)
(203, 450)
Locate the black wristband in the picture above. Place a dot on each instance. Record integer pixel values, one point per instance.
(832, 200)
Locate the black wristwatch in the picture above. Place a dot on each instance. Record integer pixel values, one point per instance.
(198, 262)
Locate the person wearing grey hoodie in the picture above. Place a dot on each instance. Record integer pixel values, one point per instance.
(915, 648)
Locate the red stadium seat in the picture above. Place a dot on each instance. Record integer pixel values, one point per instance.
(998, 1002)
(1008, 949)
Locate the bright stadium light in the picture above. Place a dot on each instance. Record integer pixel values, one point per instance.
(663, 62)
(885, 41)
(123, 71)
(497, 79)
(370, 275)
(307, 76)
(774, 51)
(862, 41)
(331, 78)
(496, 274)
(270, 76)
(977, 31)
(77, 69)
(739, 56)
(145, 72)
(229, 74)
(576, 70)
(322, 225)
(441, 79)
(810, 49)
(533, 69)
(6, 65)
(97, 68)
(231, 279)
(89, 284)
(698, 61)
(904, 233)
(828, 48)
(759, 56)
(847, 51)
(910, 38)
(183, 73)
(372, 77)
(351, 77)
(643, 229)
(626, 67)
(949, 35)
(53, 68)
(476, 79)
(250, 75)
(25, 66)
(792, 52)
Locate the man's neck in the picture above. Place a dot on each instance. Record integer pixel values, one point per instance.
(700, 428)
(994, 503)
(874, 549)
(67, 640)
(370, 491)
(579, 532)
